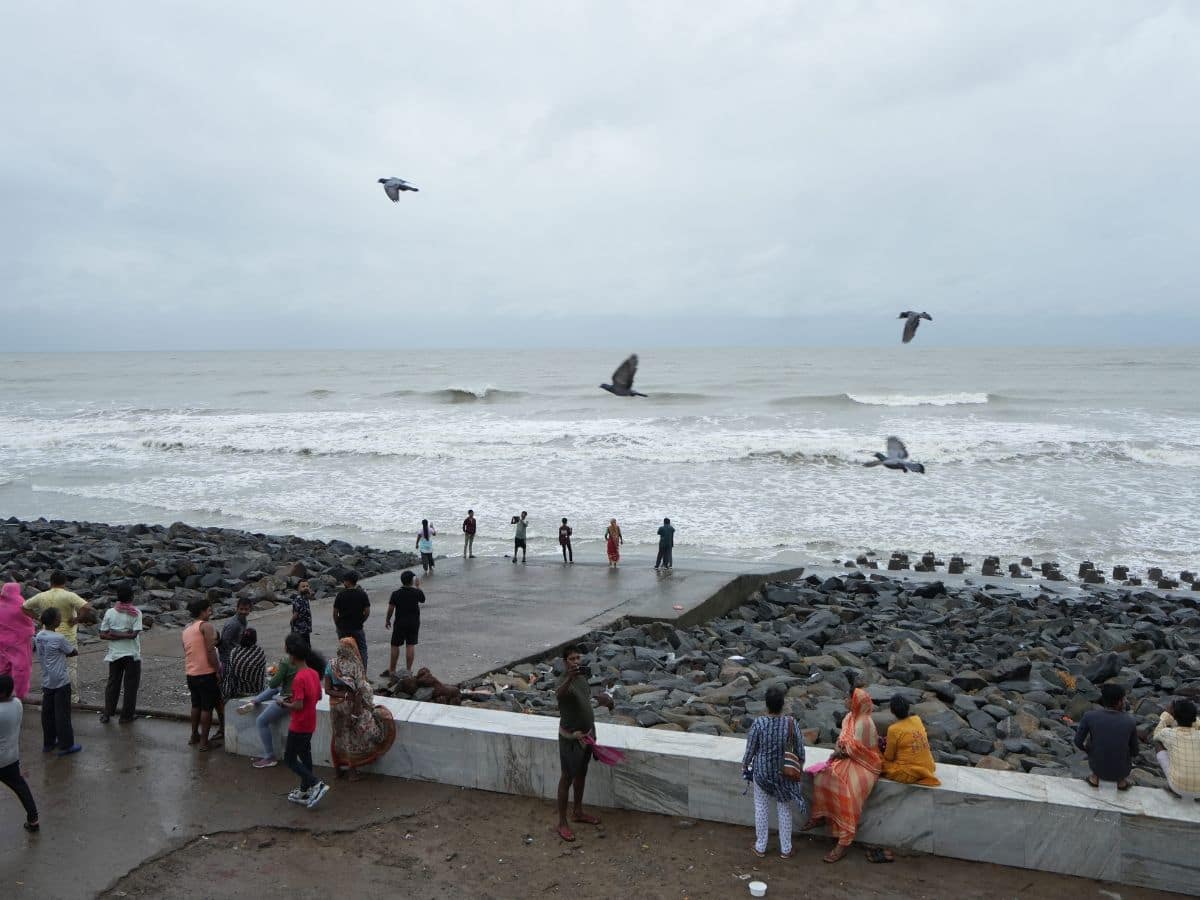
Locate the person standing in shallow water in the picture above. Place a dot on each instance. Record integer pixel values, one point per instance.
(469, 527)
(520, 533)
(613, 539)
(424, 545)
(564, 541)
(666, 545)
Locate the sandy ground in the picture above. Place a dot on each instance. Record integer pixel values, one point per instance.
(139, 814)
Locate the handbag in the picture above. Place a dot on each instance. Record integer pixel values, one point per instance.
(793, 766)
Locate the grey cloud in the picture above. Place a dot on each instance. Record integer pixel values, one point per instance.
(186, 167)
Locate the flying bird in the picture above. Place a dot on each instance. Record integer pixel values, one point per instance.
(896, 458)
(622, 379)
(393, 186)
(911, 321)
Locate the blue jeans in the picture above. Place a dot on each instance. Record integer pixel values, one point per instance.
(271, 714)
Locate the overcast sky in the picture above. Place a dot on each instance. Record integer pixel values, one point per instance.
(183, 175)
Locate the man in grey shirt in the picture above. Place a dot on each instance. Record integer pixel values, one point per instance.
(10, 751)
(520, 529)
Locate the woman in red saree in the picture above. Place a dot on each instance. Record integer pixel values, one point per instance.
(841, 791)
(613, 541)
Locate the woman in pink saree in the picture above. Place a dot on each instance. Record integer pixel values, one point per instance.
(841, 790)
(16, 636)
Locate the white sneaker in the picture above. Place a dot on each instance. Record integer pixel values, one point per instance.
(319, 790)
(246, 708)
(297, 795)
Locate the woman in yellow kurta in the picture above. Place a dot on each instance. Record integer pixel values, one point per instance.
(907, 757)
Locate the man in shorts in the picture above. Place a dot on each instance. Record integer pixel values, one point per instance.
(576, 721)
(405, 606)
(201, 663)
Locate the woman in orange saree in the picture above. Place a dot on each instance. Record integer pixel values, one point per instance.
(841, 790)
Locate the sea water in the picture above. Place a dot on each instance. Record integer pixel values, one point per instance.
(1056, 453)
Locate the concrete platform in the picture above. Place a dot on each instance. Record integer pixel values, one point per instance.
(1140, 837)
(484, 613)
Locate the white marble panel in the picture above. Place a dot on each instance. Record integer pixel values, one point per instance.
(1160, 853)
(1140, 837)
(651, 782)
(715, 789)
(981, 828)
(899, 816)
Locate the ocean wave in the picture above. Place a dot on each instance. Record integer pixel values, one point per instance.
(959, 398)
(457, 395)
(320, 393)
(680, 397)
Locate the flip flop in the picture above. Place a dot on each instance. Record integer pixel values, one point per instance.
(880, 855)
(1093, 781)
(754, 850)
(1124, 784)
(835, 854)
(565, 833)
(586, 819)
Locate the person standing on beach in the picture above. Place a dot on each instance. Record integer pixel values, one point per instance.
(575, 721)
(306, 693)
(666, 545)
(52, 651)
(72, 609)
(16, 639)
(302, 612)
(10, 751)
(564, 541)
(122, 628)
(613, 539)
(351, 607)
(424, 545)
(520, 530)
(405, 606)
(201, 663)
(469, 526)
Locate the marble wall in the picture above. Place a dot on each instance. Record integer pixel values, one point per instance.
(1142, 836)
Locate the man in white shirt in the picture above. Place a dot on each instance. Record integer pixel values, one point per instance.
(122, 628)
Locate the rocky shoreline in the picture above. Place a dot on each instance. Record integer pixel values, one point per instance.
(171, 565)
(999, 674)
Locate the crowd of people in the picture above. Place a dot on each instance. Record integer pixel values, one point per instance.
(232, 664)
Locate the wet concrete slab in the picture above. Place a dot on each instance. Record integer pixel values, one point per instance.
(137, 791)
(480, 614)
(488, 612)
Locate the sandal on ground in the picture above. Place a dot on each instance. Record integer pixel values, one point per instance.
(880, 855)
(32, 827)
(204, 748)
(585, 819)
(1124, 784)
(785, 855)
(835, 854)
(758, 853)
(565, 833)
(1093, 781)
(812, 824)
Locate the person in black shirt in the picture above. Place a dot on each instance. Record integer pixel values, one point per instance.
(302, 612)
(351, 607)
(405, 606)
(564, 541)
